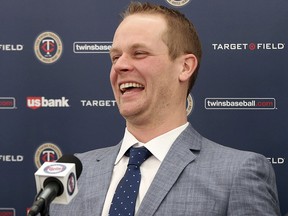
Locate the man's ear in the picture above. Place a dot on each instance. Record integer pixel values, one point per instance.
(190, 63)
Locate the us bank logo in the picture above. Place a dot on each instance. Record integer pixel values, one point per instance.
(37, 102)
(48, 47)
(178, 3)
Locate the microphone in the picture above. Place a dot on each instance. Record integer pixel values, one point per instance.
(57, 182)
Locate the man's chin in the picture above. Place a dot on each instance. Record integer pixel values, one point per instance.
(130, 114)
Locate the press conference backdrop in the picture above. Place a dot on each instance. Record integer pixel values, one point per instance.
(55, 95)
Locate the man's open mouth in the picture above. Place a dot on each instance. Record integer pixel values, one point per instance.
(125, 87)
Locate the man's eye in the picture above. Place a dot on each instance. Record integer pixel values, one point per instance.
(114, 59)
(140, 53)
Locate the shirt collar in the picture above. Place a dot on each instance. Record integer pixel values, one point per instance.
(128, 141)
(159, 146)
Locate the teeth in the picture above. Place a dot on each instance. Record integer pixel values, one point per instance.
(130, 85)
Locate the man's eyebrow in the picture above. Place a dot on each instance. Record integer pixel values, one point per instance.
(132, 47)
(113, 50)
(138, 45)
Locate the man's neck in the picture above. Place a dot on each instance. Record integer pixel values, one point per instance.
(145, 133)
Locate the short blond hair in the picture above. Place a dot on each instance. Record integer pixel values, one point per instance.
(181, 36)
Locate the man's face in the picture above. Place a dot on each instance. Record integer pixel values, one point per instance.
(143, 77)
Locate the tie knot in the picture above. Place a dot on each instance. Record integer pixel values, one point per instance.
(138, 155)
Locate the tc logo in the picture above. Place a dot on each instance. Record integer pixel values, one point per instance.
(47, 152)
(48, 47)
(48, 156)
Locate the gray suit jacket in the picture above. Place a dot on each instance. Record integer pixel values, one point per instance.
(197, 177)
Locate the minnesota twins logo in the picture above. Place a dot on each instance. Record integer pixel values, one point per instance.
(189, 105)
(178, 3)
(48, 47)
(55, 168)
(47, 152)
(71, 184)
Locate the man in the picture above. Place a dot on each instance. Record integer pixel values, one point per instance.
(155, 56)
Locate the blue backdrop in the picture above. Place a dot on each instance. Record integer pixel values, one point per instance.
(55, 95)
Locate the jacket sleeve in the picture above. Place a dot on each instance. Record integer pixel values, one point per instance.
(254, 190)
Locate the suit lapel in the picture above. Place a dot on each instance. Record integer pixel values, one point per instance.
(178, 157)
(98, 176)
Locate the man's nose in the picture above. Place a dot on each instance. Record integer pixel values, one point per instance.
(123, 63)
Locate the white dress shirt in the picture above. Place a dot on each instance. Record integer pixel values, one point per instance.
(158, 146)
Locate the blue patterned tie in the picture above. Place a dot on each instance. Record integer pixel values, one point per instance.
(124, 199)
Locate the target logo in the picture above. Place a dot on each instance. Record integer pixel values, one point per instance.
(248, 46)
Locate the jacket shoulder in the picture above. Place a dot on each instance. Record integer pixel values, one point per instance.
(95, 154)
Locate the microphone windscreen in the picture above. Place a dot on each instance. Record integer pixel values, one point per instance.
(72, 159)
